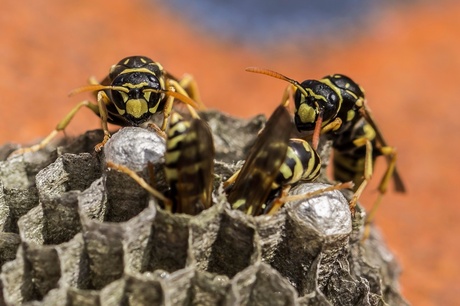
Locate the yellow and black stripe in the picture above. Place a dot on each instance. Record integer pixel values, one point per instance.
(302, 163)
(189, 164)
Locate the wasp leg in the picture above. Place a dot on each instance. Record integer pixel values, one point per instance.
(190, 86)
(279, 202)
(368, 170)
(60, 127)
(178, 88)
(390, 152)
(167, 202)
(157, 130)
(297, 197)
(332, 126)
(167, 110)
(102, 101)
(231, 180)
(288, 96)
(175, 87)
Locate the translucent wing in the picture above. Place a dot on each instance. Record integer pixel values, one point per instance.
(253, 184)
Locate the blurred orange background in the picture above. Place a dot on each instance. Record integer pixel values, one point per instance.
(407, 58)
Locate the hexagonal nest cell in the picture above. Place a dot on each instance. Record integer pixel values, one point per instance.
(73, 232)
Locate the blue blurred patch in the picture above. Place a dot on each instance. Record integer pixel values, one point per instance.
(274, 20)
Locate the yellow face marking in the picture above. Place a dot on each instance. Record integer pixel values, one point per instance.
(306, 113)
(124, 96)
(147, 95)
(139, 85)
(120, 111)
(136, 107)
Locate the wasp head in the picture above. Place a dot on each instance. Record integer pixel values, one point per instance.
(315, 101)
(138, 87)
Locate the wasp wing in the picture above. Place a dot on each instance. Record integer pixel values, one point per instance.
(254, 182)
(195, 167)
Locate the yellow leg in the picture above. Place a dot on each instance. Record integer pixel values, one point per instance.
(279, 202)
(189, 84)
(157, 130)
(332, 126)
(346, 185)
(368, 170)
(390, 152)
(167, 112)
(60, 127)
(174, 86)
(288, 96)
(178, 88)
(102, 101)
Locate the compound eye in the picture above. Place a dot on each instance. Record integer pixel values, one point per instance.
(119, 98)
(153, 82)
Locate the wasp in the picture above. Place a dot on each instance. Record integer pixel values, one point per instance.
(336, 106)
(135, 89)
(273, 165)
(189, 166)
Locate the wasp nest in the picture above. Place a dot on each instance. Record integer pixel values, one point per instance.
(73, 232)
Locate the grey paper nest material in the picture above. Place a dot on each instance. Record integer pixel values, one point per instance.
(75, 233)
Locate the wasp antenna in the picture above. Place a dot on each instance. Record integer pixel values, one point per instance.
(277, 75)
(182, 98)
(272, 73)
(96, 87)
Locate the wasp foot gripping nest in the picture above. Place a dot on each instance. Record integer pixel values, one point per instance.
(74, 232)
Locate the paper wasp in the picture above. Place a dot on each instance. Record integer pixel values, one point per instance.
(134, 90)
(274, 162)
(335, 105)
(189, 160)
